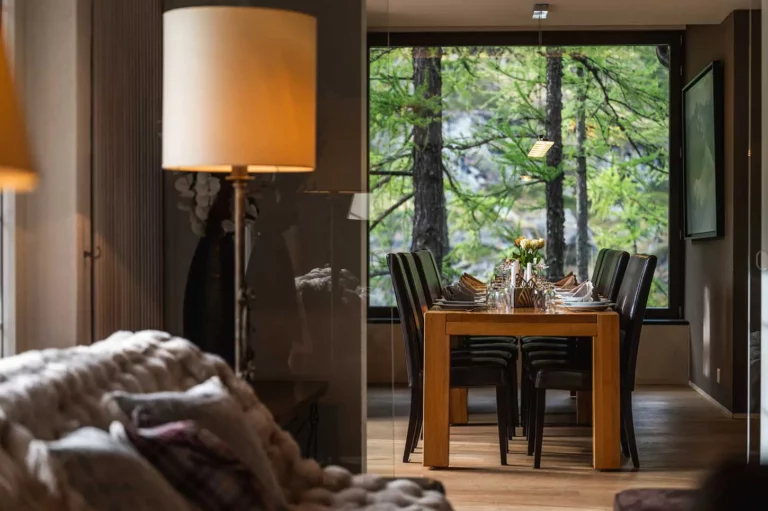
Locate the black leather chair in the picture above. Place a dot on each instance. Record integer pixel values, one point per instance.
(574, 373)
(467, 369)
(427, 273)
(606, 277)
(489, 348)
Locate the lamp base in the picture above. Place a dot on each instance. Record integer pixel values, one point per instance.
(239, 178)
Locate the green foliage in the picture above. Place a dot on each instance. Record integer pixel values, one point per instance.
(493, 110)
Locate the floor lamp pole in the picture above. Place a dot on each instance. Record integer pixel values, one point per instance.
(239, 178)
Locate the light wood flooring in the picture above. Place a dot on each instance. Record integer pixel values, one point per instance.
(679, 434)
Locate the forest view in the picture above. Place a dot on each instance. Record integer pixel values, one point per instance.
(450, 131)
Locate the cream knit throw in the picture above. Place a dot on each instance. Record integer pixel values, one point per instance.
(46, 394)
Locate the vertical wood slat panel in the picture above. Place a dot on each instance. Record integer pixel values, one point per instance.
(127, 175)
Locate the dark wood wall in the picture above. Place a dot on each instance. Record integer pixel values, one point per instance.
(127, 179)
(717, 280)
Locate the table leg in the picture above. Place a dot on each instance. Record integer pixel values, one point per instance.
(605, 394)
(437, 380)
(459, 412)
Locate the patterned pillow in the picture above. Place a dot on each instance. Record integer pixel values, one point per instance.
(211, 407)
(110, 474)
(198, 464)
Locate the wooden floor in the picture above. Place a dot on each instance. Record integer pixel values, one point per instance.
(679, 433)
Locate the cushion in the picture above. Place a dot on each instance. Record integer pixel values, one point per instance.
(211, 407)
(111, 475)
(198, 464)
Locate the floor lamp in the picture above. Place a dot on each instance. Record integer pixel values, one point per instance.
(16, 170)
(15, 163)
(239, 96)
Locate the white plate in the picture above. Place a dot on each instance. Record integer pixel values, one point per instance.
(588, 306)
(575, 301)
(453, 306)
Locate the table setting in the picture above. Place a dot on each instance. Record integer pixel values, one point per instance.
(520, 282)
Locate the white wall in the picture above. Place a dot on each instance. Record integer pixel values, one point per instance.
(52, 50)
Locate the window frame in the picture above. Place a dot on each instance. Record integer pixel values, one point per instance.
(675, 39)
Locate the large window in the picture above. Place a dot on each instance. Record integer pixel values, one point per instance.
(450, 129)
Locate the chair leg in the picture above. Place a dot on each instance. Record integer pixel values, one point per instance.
(524, 399)
(410, 436)
(501, 411)
(531, 420)
(541, 397)
(629, 427)
(512, 418)
(624, 443)
(419, 426)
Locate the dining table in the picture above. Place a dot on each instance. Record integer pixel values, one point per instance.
(440, 403)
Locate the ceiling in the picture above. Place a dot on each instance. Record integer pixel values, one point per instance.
(488, 14)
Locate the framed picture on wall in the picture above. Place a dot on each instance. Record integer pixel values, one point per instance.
(703, 154)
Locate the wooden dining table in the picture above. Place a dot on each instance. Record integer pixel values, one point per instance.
(603, 327)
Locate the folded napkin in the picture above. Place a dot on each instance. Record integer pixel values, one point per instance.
(568, 282)
(471, 281)
(584, 292)
(455, 292)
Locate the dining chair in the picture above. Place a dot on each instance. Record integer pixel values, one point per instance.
(426, 272)
(467, 370)
(489, 346)
(607, 277)
(574, 373)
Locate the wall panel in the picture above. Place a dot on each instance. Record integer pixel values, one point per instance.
(127, 182)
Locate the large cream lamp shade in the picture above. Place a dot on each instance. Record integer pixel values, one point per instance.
(15, 163)
(239, 89)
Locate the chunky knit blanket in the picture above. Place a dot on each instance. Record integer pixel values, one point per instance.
(47, 394)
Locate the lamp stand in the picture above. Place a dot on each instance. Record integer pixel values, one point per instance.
(239, 178)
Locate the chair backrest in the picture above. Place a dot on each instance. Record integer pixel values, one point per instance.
(429, 275)
(418, 290)
(612, 273)
(598, 265)
(631, 303)
(408, 318)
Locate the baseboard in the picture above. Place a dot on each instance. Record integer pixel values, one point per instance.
(712, 400)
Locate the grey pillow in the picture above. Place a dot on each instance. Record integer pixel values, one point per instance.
(211, 407)
(111, 475)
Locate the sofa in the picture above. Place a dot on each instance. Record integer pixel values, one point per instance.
(47, 395)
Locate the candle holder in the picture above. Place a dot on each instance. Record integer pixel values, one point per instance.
(525, 295)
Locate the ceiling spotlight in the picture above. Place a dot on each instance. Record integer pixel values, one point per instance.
(540, 11)
(540, 148)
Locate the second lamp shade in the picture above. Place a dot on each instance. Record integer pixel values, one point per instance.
(239, 89)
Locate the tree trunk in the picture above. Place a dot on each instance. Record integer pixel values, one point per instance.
(554, 187)
(582, 201)
(430, 224)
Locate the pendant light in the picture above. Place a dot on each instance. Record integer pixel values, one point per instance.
(542, 145)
